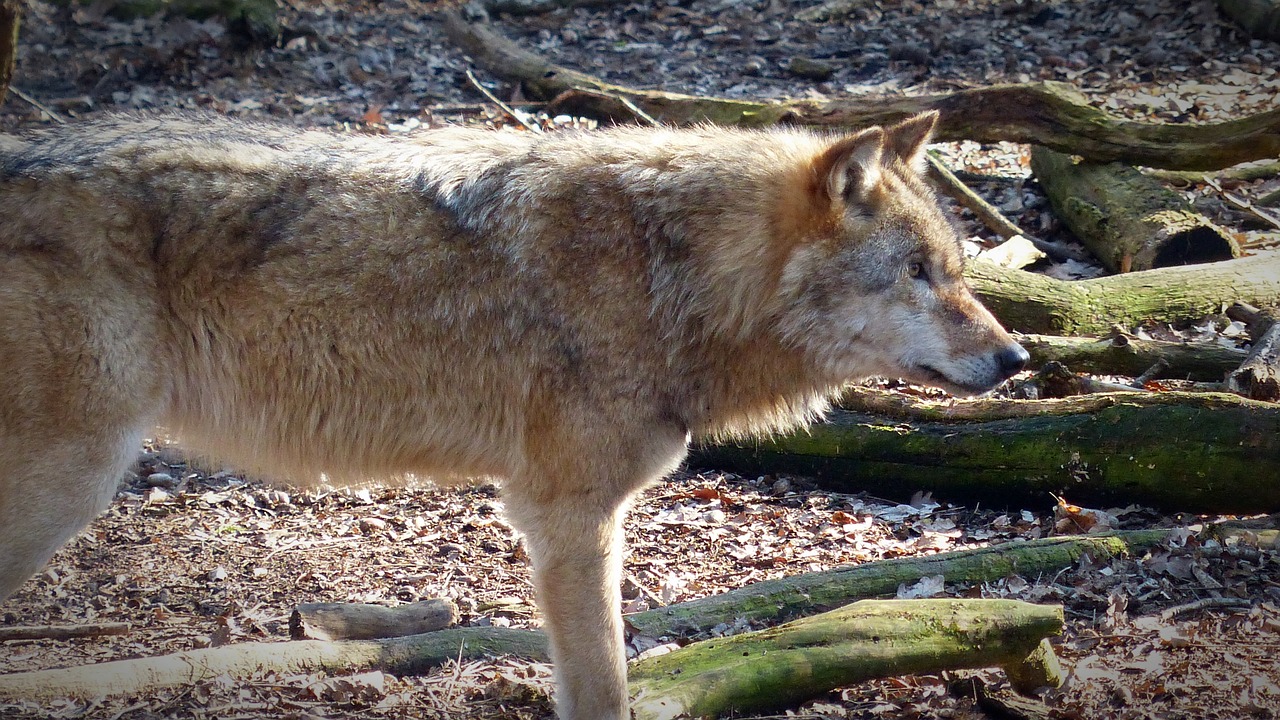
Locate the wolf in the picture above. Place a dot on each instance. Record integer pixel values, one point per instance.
(560, 311)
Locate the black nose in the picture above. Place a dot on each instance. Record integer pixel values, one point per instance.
(1012, 360)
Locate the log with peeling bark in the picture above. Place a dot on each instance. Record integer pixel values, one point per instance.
(1194, 452)
(62, 632)
(1258, 376)
(359, 621)
(784, 666)
(1128, 220)
(1124, 354)
(1034, 303)
(774, 601)
(1050, 114)
(1260, 18)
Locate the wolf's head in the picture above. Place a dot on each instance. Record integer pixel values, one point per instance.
(872, 277)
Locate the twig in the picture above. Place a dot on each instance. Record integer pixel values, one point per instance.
(38, 105)
(1205, 604)
(62, 632)
(1160, 366)
(1243, 173)
(1240, 203)
(515, 115)
(990, 215)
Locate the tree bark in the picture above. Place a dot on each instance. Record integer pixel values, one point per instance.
(1258, 376)
(357, 621)
(1260, 18)
(411, 655)
(786, 665)
(1050, 114)
(774, 601)
(1128, 220)
(1123, 354)
(1193, 452)
(1033, 303)
(62, 632)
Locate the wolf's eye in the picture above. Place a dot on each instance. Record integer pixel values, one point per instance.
(915, 270)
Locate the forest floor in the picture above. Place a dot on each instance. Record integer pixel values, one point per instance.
(208, 558)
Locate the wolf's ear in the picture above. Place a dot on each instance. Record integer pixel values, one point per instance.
(851, 167)
(908, 138)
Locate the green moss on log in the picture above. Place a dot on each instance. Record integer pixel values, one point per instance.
(1128, 220)
(782, 666)
(1179, 451)
(1033, 303)
(773, 601)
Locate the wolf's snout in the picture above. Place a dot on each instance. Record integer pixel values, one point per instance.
(1012, 360)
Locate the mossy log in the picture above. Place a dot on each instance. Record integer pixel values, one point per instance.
(1259, 18)
(1050, 114)
(412, 655)
(1123, 354)
(774, 601)
(1193, 452)
(1128, 220)
(1034, 303)
(783, 666)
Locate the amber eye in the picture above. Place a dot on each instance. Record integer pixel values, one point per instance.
(915, 270)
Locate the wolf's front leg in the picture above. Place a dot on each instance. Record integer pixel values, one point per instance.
(575, 543)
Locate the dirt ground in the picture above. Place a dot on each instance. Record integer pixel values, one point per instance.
(196, 557)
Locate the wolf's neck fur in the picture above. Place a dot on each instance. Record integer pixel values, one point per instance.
(712, 222)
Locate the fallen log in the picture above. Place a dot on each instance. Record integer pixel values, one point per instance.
(1258, 376)
(773, 601)
(786, 665)
(1034, 303)
(358, 621)
(410, 655)
(1124, 354)
(62, 632)
(752, 671)
(1128, 220)
(1259, 18)
(1050, 114)
(1193, 452)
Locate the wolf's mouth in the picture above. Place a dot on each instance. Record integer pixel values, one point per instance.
(934, 376)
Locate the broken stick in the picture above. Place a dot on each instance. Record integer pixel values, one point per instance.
(356, 621)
